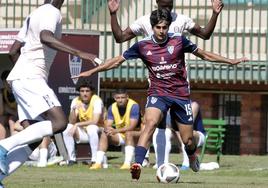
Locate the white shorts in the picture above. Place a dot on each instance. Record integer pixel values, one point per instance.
(83, 135)
(121, 140)
(201, 139)
(33, 97)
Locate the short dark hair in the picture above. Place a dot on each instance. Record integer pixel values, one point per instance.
(120, 91)
(84, 83)
(160, 15)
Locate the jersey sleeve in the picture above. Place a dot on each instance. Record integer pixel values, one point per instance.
(135, 112)
(23, 30)
(98, 106)
(50, 21)
(132, 52)
(188, 46)
(188, 23)
(137, 26)
(110, 115)
(73, 104)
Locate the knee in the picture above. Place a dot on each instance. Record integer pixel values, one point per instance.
(92, 129)
(150, 125)
(187, 140)
(68, 127)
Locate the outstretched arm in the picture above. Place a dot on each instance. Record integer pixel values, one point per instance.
(107, 65)
(209, 56)
(49, 40)
(206, 32)
(119, 35)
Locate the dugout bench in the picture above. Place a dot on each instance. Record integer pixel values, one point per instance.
(215, 133)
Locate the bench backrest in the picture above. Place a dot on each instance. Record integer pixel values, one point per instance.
(215, 129)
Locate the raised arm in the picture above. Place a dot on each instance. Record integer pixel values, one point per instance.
(209, 56)
(47, 38)
(107, 65)
(206, 32)
(119, 35)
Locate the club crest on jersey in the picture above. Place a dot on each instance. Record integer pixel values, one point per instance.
(170, 49)
(153, 100)
(75, 65)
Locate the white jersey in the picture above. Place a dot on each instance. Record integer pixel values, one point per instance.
(36, 58)
(180, 23)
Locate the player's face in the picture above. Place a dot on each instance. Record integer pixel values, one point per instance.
(121, 99)
(160, 31)
(167, 4)
(85, 94)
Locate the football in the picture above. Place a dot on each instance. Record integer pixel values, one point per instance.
(168, 173)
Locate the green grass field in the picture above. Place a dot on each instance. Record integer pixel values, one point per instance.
(235, 171)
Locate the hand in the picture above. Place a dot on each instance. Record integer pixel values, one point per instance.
(113, 6)
(72, 130)
(83, 74)
(240, 60)
(217, 6)
(87, 56)
(109, 131)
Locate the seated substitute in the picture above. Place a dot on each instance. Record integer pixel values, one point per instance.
(85, 121)
(124, 113)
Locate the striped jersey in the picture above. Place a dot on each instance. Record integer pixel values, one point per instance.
(166, 64)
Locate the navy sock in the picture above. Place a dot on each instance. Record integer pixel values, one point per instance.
(140, 153)
(190, 151)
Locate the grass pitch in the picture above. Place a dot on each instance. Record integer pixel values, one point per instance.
(235, 172)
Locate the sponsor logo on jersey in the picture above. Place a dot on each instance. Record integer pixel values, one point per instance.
(164, 67)
(170, 49)
(75, 65)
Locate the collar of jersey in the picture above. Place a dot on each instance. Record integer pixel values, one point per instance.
(159, 42)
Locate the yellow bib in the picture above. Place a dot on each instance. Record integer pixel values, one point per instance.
(85, 115)
(125, 120)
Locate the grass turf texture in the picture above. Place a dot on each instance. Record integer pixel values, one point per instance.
(235, 171)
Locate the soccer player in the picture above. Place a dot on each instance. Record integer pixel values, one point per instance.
(180, 23)
(124, 113)
(33, 52)
(199, 134)
(85, 121)
(163, 54)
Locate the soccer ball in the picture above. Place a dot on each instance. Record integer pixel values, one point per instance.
(168, 173)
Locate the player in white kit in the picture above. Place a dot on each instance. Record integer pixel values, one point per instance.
(34, 51)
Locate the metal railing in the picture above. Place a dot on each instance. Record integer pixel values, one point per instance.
(242, 30)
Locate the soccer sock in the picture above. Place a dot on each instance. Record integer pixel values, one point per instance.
(168, 145)
(140, 153)
(160, 142)
(147, 153)
(185, 161)
(100, 156)
(31, 134)
(43, 153)
(129, 153)
(189, 151)
(69, 143)
(93, 137)
(15, 158)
